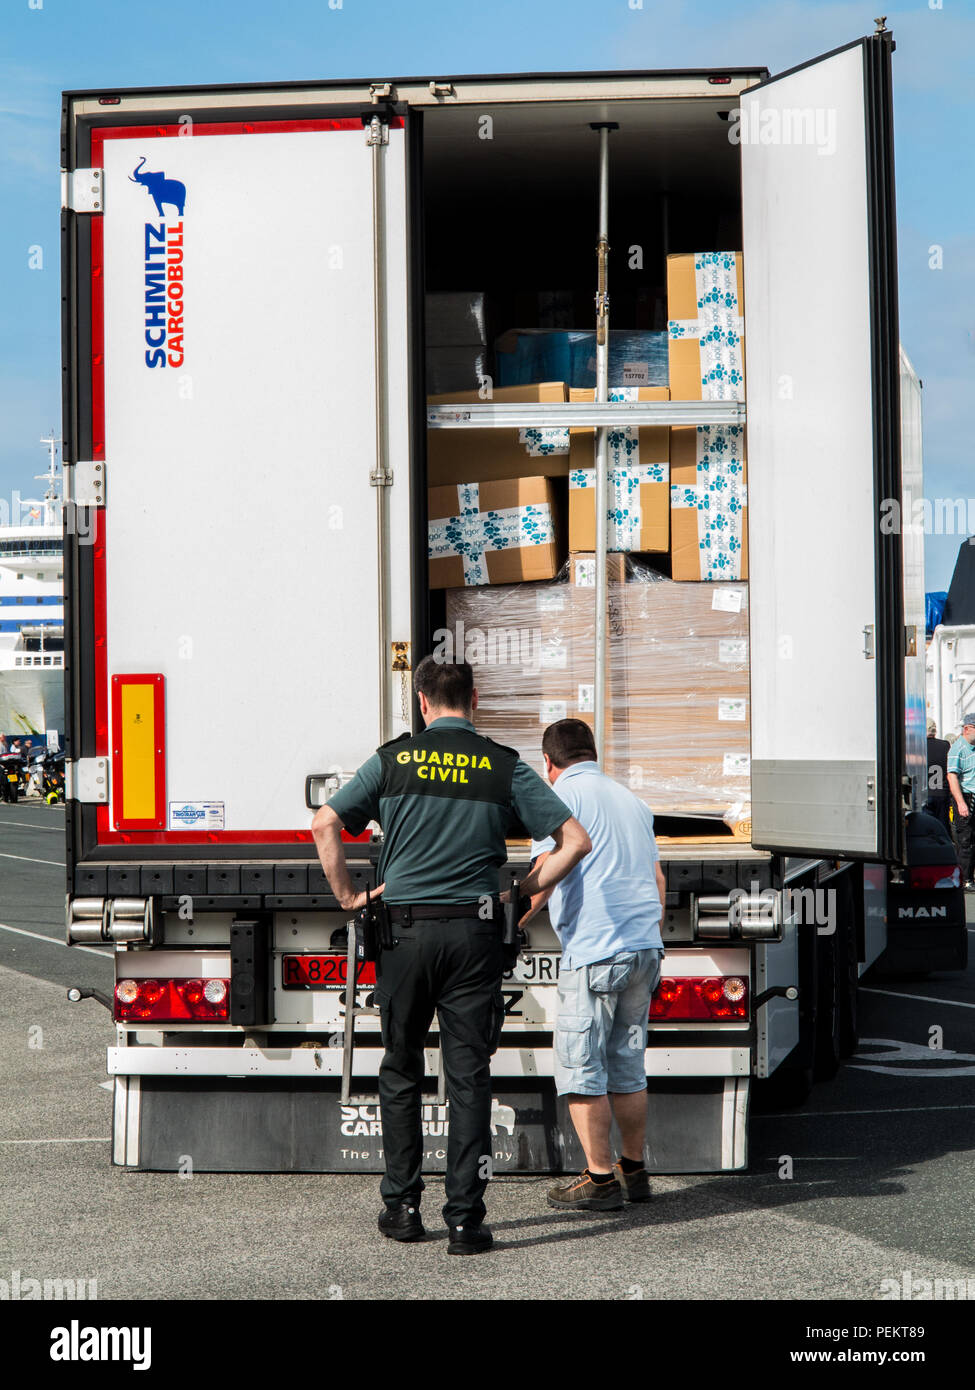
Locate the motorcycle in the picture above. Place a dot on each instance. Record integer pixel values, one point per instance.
(35, 770)
(52, 777)
(11, 776)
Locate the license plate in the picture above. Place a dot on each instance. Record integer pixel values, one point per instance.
(536, 968)
(323, 972)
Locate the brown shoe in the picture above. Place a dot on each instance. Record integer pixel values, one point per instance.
(635, 1186)
(582, 1194)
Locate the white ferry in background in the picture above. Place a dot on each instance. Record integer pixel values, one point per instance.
(32, 616)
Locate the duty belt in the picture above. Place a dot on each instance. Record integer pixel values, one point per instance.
(425, 912)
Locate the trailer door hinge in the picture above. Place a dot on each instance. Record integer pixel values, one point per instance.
(442, 89)
(377, 129)
(910, 640)
(85, 483)
(86, 780)
(381, 477)
(82, 190)
(868, 642)
(381, 91)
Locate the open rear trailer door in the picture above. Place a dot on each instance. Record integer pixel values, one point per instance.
(821, 373)
(252, 564)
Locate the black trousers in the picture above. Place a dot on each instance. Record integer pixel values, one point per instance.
(452, 967)
(966, 839)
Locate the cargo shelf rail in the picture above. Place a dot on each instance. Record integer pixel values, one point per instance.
(583, 414)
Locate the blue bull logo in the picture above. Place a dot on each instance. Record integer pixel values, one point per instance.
(160, 189)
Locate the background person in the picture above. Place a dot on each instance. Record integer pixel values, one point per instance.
(938, 796)
(961, 781)
(607, 913)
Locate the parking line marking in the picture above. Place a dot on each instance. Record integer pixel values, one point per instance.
(29, 825)
(53, 941)
(58, 863)
(895, 1110)
(98, 1140)
(924, 998)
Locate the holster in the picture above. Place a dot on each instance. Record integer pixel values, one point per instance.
(385, 925)
(373, 931)
(513, 938)
(366, 936)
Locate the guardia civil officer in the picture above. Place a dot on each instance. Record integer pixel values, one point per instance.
(445, 799)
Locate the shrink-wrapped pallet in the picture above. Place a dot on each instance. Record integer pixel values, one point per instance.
(677, 722)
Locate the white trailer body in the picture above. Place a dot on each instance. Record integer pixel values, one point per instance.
(245, 433)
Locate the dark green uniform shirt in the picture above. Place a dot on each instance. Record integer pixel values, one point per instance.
(445, 799)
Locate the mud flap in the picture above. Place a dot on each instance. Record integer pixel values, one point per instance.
(298, 1126)
(698, 1127)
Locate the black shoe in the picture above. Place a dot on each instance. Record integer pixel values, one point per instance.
(469, 1240)
(402, 1223)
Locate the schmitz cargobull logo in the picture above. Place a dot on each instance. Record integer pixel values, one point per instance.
(164, 268)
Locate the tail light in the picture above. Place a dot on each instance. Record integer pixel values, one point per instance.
(172, 1001)
(687, 998)
(934, 876)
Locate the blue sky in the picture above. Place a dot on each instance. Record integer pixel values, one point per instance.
(50, 45)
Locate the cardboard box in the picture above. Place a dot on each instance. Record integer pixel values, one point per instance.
(495, 532)
(638, 478)
(708, 503)
(705, 326)
(469, 456)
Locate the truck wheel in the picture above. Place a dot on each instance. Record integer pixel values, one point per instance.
(849, 980)
(829, 1008)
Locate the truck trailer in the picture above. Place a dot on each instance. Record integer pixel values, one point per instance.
(247, 427)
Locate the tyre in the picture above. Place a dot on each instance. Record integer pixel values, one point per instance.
(828, 1006)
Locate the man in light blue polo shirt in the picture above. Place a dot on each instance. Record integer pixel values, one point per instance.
(607, 913)
(961, 781)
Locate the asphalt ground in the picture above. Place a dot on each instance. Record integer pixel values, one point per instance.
(880, 1162)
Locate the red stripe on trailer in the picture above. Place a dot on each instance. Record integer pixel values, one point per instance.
(97, 388)
(150, 132)
(193, 837)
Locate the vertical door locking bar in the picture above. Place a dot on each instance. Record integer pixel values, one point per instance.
(602, 437)
(352, 1012)
(380, 477)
